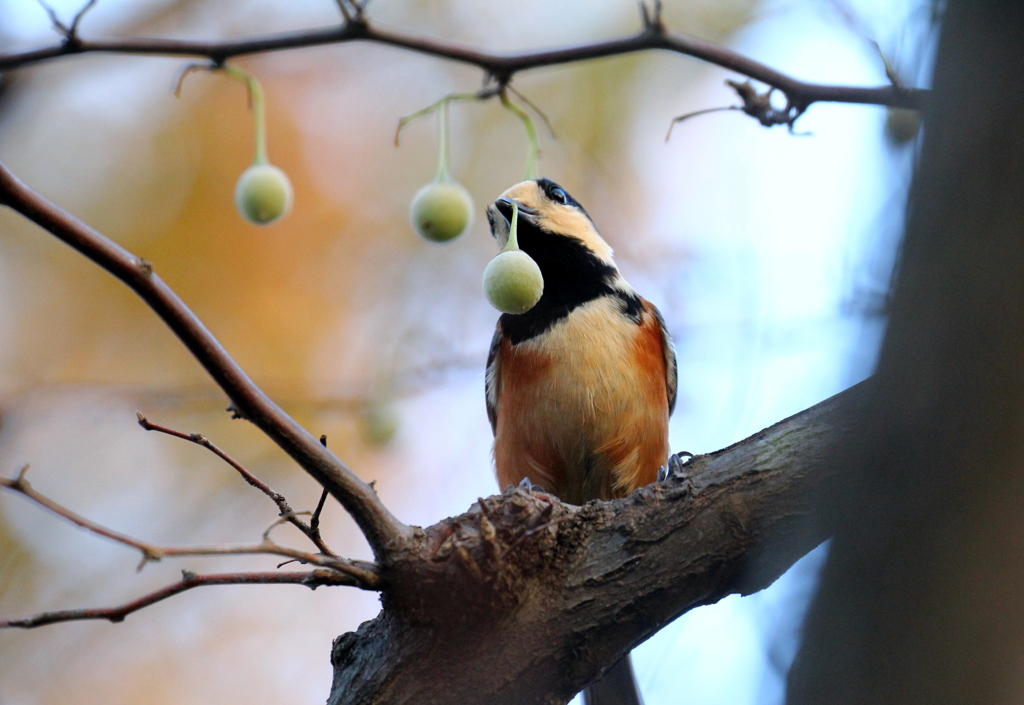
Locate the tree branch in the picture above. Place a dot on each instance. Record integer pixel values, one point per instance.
(382, 530)
(501, 68)
(361, 574)
(285, 509)
(539, 597)
(311, 579)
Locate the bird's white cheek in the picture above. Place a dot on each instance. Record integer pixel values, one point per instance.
(499, 226)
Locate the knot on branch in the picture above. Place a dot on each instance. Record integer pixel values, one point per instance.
(759, 105)
(483, 561)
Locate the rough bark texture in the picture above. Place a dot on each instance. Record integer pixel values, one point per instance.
(524, 599)
(922, 600)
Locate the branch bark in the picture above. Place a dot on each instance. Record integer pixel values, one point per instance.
(537, 598)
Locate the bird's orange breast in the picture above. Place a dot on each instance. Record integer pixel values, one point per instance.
(583, 409)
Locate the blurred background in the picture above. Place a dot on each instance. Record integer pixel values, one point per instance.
(768, 253)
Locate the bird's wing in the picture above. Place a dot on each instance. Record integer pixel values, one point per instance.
(492, 378)
(669, 352)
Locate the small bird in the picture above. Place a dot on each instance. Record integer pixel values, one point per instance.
(579, 388)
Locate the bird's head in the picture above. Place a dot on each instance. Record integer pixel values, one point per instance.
(575, 262)
(553, 228)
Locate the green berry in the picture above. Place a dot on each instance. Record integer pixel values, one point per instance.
(441, 211)
(513, 282)
(378, 423)
(263, 194)
(902, 125)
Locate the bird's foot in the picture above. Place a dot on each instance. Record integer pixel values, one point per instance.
(677, 463)
(525, 484)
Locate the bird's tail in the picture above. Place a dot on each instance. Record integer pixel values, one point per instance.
(616, 687)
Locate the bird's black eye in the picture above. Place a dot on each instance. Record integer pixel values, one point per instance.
(559, 195)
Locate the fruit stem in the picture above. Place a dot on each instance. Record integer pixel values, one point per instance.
(513, 230)
(443, 174)
(533, 146)
(431, 108)
(259, 112)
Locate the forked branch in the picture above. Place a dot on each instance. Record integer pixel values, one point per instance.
(286, 511)
(355, 573)
(383, 531)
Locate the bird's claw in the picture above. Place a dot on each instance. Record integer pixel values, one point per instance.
(531, 488)
(676, 464)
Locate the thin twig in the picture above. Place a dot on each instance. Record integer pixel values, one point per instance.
(695, 113)
(189, 69)
(69, 32)
(21, 485)
(286, 512)
(383, 531)
(73, 29)
(344, 10)
(533, 106)
(311, 579)
(58, 25)
(484, 94)
(533, 144)
(314, 521)
(363, 574)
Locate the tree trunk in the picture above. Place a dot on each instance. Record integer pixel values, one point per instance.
(922, 599)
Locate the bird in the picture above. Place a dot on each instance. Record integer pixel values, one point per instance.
(579, 388)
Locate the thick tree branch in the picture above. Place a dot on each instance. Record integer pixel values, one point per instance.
(311, 579)
(538, 597)
(359, 573)
(383, 531)
(501, 68)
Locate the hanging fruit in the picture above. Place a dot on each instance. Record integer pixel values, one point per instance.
(441, 210)
(263, 193)
(512, 280)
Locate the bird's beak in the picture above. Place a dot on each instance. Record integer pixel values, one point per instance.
(499, 215)
(504, 206)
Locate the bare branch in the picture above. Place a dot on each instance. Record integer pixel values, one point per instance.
(383, 531)
(535, 108)
(311, 579)
(73, 29)
(343, 6)
(696, 113)
(69, 32)
(442, 103)
(286, 512)
(361, 573)
(314, 521)
(58, 25)
(502, 68)
(21, 485)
